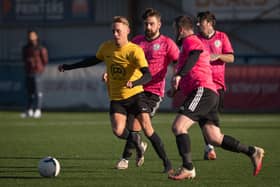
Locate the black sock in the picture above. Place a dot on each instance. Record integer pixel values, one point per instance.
(135, 138)
(125, 134)
(231, 144)
(159, 148)
(248, 150)
(205, 140)
(184, 147)
(127, 152)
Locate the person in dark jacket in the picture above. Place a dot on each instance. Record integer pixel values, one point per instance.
(35, 58)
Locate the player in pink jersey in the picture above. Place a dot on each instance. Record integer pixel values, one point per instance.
(194, 78)
(219, 47)
(159, 51)
(221, 52)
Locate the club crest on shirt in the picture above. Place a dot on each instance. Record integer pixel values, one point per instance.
(217, 43)
(117, 72)
(156, 47)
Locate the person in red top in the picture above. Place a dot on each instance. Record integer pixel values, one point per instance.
(221, 52)
(194, 78)
(35, 58)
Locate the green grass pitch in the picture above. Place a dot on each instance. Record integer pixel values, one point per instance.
(87, 151)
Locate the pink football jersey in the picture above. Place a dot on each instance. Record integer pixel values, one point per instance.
(200, 75)
(218, 44)
(159, 54)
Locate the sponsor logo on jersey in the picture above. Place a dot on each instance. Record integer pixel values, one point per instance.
(156, 47)
(217, 43)
(117, 72)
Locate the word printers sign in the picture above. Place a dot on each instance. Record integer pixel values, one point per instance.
(35, 10)
(237, 9)
(45, 11)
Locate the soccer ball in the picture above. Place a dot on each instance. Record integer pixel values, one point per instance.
(49, 167)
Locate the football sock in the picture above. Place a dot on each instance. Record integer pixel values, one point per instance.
(231, 144)
(167, 166)
(125, 134)
(159, 147)
(184, 146)
(127, 152)
(135, 138)
(248, 150)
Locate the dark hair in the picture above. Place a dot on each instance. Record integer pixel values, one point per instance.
(207, 15)
(184, 21)
(151, 12)
(29, 31)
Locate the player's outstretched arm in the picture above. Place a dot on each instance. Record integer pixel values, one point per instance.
(91, 61)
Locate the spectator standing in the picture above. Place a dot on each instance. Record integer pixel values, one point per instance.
(35, 58)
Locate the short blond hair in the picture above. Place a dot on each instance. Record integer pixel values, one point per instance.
(120, 19)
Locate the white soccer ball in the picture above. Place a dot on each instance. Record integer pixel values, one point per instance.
(49, 167)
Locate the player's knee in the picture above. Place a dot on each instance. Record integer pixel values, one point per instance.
(148, 132)
(177, 129)
(136, 126)
(118, 132)
(147, 128)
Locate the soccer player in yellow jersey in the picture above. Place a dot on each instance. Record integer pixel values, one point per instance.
(127, 70)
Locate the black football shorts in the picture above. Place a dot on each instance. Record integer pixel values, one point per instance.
(201, 106)
(133, 105)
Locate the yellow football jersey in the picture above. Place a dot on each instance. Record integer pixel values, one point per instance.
(123, 64)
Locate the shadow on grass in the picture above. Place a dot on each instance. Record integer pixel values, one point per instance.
(20, 177)
(19, 170)
(59, 158)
